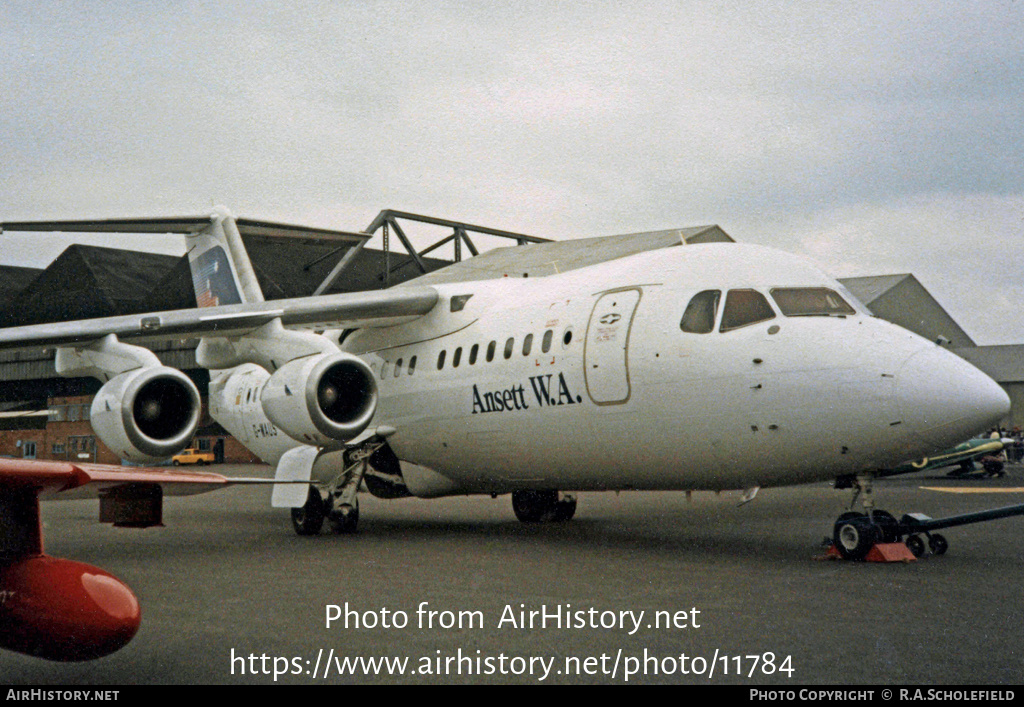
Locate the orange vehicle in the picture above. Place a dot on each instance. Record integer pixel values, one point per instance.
(192, 456)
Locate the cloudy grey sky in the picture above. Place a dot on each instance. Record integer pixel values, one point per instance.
(876, 137)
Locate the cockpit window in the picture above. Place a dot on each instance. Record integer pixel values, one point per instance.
(699, 317)
(810, 302)
(743, 308)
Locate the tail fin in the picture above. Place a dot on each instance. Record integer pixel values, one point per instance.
(221, 270)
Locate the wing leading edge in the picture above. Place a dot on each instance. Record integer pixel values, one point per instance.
(340, 311)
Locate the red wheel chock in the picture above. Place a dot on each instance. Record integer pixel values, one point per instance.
(879, 552)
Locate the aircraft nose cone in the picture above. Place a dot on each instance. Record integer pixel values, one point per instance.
(944, 399)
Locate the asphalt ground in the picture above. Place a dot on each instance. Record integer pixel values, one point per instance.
(227, 578)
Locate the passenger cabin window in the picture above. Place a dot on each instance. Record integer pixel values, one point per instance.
(545, 343)
(701, 312)
(457, 357)
(398, 368)
(440, 360)
(743, 308)
(412, 365)
(509, 345)
(472, 354)
(810, 302)
(527, 344)
(490, 351)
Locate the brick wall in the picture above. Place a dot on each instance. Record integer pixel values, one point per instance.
(68, 436)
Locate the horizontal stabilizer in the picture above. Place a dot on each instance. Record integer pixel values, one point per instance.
(186, 225)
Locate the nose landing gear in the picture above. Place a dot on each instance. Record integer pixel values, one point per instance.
(855, 535)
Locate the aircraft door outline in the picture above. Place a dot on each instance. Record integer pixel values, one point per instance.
(606, 348)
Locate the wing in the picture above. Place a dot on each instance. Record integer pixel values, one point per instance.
(73, 480)
(22, 482)
(341, 311)
(244, 310)
(129, 496)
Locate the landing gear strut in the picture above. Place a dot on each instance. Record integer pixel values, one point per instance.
(854, 534)
(538, 506)
(337, 502)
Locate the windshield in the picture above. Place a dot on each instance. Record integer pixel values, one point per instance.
(810, 302)
(743, 308)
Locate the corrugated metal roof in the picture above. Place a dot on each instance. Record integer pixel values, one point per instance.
(542, 259)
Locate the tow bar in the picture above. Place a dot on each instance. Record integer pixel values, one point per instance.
(914, 524)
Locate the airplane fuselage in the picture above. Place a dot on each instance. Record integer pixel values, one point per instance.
(588, 380)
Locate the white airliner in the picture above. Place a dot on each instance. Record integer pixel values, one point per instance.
(710, 366)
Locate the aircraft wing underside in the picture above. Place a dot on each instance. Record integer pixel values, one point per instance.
(340, 311)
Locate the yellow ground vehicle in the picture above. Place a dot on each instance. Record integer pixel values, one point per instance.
(192, 456)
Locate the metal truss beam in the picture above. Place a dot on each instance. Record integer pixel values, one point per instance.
(388, 221)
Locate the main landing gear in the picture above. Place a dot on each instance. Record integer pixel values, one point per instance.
(336, 502)
(540, 506)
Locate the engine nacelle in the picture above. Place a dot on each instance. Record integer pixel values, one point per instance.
(321, 399)
(147, 414)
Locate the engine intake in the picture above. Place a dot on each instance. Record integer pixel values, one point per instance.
(147, 414)
(321, 399)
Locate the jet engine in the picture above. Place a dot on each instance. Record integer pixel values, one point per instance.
(146, 414)
(321, 399)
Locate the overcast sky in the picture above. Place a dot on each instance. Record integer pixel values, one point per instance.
(875, 137)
